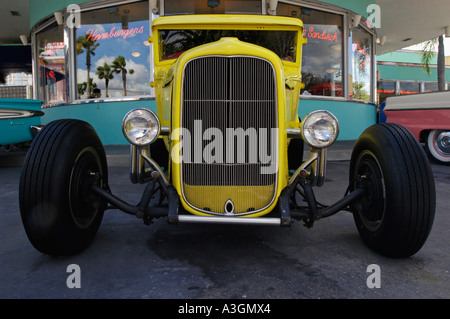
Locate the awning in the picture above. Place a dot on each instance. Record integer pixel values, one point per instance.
(409, 22)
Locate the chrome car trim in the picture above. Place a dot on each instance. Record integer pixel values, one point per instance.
(8, 114)
(145, 153)
(317, 161)
(229, 220)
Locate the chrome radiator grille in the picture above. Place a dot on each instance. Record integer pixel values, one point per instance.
(229, 109)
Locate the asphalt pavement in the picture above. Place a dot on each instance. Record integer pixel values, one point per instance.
(129, 260)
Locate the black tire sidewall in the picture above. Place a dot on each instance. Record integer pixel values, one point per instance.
(394, 237)
(392, 198)
(66, 226)
(61, 235)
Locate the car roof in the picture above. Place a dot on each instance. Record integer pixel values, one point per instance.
(227, 21)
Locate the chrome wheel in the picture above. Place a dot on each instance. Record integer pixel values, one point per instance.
(439, 145)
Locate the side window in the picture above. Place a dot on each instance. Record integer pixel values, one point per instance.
(174, 42)
(322, 56)
(112, 52)
(360, 77)
(51, 86)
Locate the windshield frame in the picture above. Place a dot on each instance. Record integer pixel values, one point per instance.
(183, 40)
(226, 22)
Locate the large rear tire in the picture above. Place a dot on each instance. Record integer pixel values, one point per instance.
(396, 214)
(60, 213)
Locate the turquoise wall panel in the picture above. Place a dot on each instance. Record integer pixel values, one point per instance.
(40, 9)
(357, 6)
(106, 117)
(404, 57)
(409, 73)
(353, 117)
(18, 130)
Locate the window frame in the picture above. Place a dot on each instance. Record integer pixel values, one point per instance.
(71, 59)
(346, 15)
(72, 35)
(41, 27)
(422, 84)
(70, 56)
(373, 76)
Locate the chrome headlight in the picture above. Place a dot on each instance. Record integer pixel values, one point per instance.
(141, 127)
(320, 129)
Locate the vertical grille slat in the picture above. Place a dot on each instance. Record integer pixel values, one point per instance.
(232, 93)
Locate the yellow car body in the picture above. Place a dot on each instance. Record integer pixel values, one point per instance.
(168, 81)
(238, 74)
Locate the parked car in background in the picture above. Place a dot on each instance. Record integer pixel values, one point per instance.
(427, 116)
(19, 121)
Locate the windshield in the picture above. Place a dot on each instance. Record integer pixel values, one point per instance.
(175, 42)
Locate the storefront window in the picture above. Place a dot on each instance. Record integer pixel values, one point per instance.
(360, 75)
(385, 90)
(409, 88)
(430, 87)
(322, 57)
(51, 64)
(113, 53)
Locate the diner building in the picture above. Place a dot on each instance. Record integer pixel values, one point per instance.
(100, 81)
(402, 72)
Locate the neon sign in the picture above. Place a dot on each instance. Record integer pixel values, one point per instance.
(94, 35)
(51, 74)
(408, 92)
(357, 48)
(51, 48)
(385, 91)
(312, 34)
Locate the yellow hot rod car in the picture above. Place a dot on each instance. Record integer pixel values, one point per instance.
(226, 146)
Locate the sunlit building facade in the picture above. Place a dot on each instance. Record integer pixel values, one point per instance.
(102, 67)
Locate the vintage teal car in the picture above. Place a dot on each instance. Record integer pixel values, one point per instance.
(19, 121)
